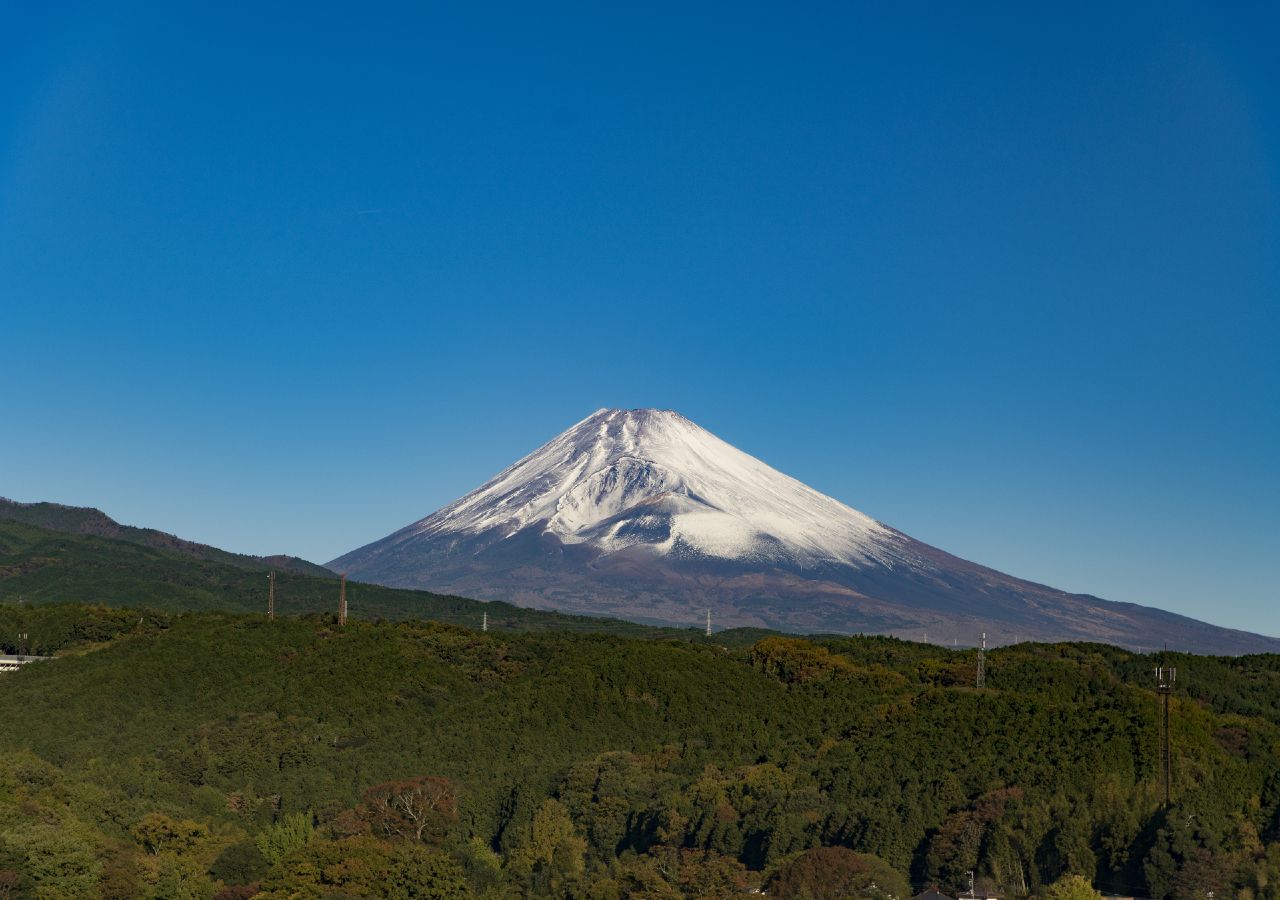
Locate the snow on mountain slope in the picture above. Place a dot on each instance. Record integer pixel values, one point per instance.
(643, 515)
(623, 478)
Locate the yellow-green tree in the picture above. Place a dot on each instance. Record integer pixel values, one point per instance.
(1071, 887)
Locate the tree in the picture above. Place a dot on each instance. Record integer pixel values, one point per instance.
(481, 865)
(1202, 874)
(13, 873)
(418, 809)
(60, 858)
(173, 876)
(239, 864)
(834, 873)
(551, 852)
(158, 833)
(356, 866)
(418, 872)
(1071, 887)
(797, 661)
(699, 873)
(281, 838)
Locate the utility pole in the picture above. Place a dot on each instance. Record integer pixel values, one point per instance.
(1165, 677)
(981, 680)
(342, 602)
(484, 620)
(271, 596)
(708, 623)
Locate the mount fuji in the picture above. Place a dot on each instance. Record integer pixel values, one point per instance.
(643, 515)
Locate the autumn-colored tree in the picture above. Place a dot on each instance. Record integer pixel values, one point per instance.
(1202, 874)
(158, 833)
(356, 866)
(238, 891)
(795, 660)
(418, 809)
(13, 877)
(1071, 887)
(957, 846)
(698, 873)
(173, 876)
(835, 873)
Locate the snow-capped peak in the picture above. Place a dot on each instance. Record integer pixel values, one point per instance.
(652, 478)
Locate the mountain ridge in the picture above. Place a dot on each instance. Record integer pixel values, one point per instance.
(92, 521)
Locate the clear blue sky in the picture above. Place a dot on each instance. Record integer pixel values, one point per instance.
(1004, 277)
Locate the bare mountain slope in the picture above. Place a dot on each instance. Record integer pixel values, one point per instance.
(644, 515)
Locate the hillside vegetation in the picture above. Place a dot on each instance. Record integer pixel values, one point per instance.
(39, 566)
(88, 521)
(178, 754)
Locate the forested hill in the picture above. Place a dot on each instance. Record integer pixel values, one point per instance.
(40, 566)
(83, 520)
(167, 755)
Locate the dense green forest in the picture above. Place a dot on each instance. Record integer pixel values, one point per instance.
(181, 745)
(179, 754)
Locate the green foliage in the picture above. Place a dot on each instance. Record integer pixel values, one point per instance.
(151, 757)
(416, 871)
(482, 867)
(279, 839)
(14, 882)
(834, 873)
(39, 566)
(158, 833)
(355, 866)
(797, 661)
(240, 863)
(1071, 887)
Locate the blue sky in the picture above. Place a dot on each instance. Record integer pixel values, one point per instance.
(1005, 277)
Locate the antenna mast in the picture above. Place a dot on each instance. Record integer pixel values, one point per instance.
(1165, 677)
(342, 602)
(981, 680)
(271, 596)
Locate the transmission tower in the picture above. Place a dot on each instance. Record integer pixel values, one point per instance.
(981, 680)
(708, 623)
(342, 602)
(271, 597)
(1165, 678)
(484, 620)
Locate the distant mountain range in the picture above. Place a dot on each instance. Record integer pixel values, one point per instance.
(642, 514)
